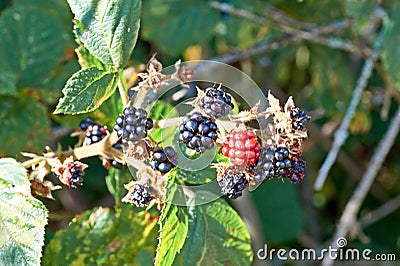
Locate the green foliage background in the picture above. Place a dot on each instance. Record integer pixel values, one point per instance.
(37, 51)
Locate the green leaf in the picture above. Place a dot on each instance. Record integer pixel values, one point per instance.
(34, 41)
(216, 234)
(163, 110)
(86, 90)
(197, 177)
(108, 29)
(87, 60)
(280, 211)
(390, 44)
(173, 227)
(22, 217)
(60, 9)
(8, 79)
(241, 32)
(115, 181)
(360, 12)
(110, 110)
(51, 92)
(103, 237)
(193, 19)
(25, 125)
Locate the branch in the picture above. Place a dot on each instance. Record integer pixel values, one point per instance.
(342, 133)
(348, 218)
(279, 43)
(290, 27)
(379, 213)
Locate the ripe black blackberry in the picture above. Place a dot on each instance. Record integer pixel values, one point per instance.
(86, 123)
(141, 195)
(95, 133)
(215, 102)
(274, 161)
(296, 171)
(198, 132)
(164, 160)
(133, 124)
(232, 182)
(299, 118)
(76, 176)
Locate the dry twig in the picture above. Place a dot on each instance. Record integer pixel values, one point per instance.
(348, 218)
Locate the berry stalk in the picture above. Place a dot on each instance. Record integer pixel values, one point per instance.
(122, 88)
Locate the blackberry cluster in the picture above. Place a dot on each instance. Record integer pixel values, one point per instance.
(299, 118)
(86, 123)
(296, 171)
(198, 132)
(215, 102)
(140, 195)
(76, 175)
(94, 132)
(273, 162)
(242, 148)
(232, 182)
(133, 124)
(164, 160)
(114, 163)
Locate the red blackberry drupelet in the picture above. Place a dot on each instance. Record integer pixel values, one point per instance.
(242, 148)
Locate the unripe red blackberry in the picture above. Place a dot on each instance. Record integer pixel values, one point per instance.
(299, 118)
(232, 182)
(133, 124)
(163, 160)
(215, 102)
(242, 148)
(198, 132)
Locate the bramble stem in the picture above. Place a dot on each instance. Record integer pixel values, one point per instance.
(122, 87)
(342, 133)
(102, 148)
(348, 218)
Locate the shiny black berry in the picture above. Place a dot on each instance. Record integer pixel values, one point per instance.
(86, 123)
(76, 176)
(94, 132)
(140, 195)
(133, 124)
(198, 132)
(163, 160)
(232, 182)
(296, 170)
(215, 102)
(273, 162)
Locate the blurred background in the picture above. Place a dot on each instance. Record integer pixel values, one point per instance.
(313, 50)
